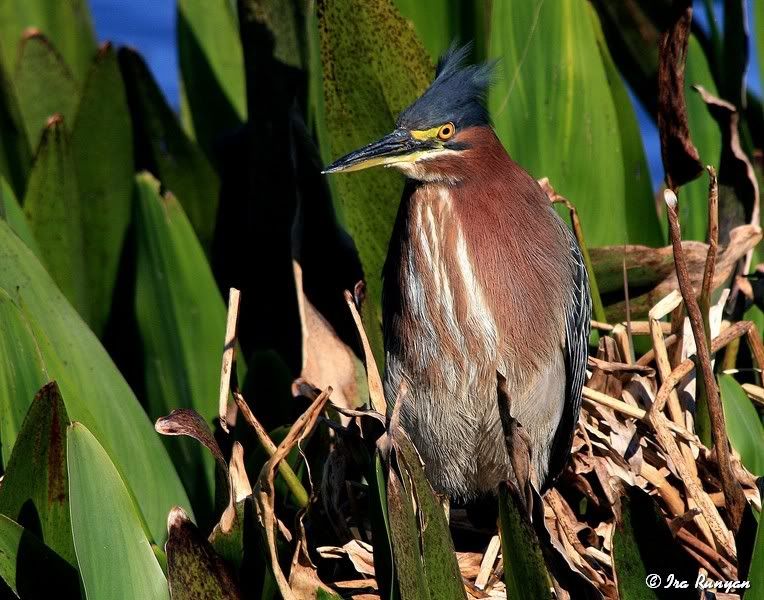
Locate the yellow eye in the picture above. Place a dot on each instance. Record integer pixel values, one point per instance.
(446, 131)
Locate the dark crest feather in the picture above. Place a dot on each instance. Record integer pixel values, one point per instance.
(457, 94)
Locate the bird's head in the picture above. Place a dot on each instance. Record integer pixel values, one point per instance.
(436, 128)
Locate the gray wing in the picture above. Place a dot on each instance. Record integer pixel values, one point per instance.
(577, 324)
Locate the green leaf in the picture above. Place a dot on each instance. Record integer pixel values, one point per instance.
(66, 23)
(93, 389)
(14, 216)
(525, 572)
(444, 580)
(108, 530)
(52, 208)
(756, 570)
(175, 287)
(22, 372)
(758, 41)
(214, 99)
(15, 154)
(437, 22)
(642, 546)
(102, 148)
(31, 569)
(44, 84)
(404, 535)
(165, 150)
(365, 87)
(744, 428)
(554, 111)
(35, 490)
(693, 197)
(642, 224)
(194, 570)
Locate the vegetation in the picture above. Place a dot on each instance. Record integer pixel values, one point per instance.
(272, 469)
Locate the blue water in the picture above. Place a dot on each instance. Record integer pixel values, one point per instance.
(149, 26)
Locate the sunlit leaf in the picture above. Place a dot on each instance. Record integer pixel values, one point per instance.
(756, 570)
(29, 568)
(93, 390)
(11, 212)
(109, 534)
(212, 65)
(176, 292)
(66, 23)
(35, 490)
(555, 113)
(744, 428)
(44, 84)
(102, 149)
(642, 223)
(53, 209)
(22, 372)
(365, 87)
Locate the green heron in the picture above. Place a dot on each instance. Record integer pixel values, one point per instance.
(482, 277)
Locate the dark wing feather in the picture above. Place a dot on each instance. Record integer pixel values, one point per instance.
(577, 323)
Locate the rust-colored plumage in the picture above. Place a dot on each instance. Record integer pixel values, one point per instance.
(482, 277)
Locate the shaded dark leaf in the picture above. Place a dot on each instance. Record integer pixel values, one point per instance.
(102, 148)
(35, 489)
(163, 148)
(29, 568)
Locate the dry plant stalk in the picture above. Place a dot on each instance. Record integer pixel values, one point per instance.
(732, 490)
(376, 393)
(229, 356)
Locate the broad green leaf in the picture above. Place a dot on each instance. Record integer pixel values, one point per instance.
(744, 428)
(66, 23)
(212, 66)
(52, 207)
(642, 546)
(102, 148)
(756, 570)
(15, 153)
(22, 372)
(31, 569)
(14, 216)
(374, 66)
(693, 197)
(441, 570)
(113, 550)
(758, 41)
(94, 391)
(165, 150)
(404, 534)
(44, 84)
(525, 572)
(283, 18)
(554, 111)
(437, 22)
(176, 292)
(194, 570)
(642, 224)
(35, 490)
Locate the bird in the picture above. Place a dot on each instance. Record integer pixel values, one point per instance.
(482, 279)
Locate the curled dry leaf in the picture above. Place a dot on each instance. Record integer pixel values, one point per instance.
(680, 157)
(326, 359)
(653, 268)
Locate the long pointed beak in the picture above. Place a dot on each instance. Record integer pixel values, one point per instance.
(396, 147)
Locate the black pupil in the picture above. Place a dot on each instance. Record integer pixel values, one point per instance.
(446, 130)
